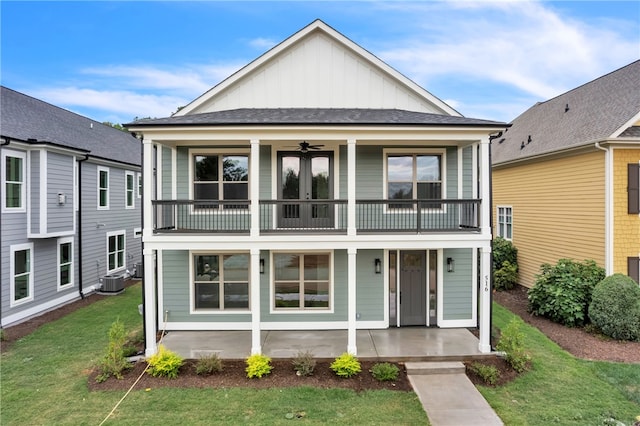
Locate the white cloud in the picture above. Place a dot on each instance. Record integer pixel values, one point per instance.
(262, 43)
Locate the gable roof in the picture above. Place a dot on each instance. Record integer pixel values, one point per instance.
(331, 70)
(596, 111)
(33, 121)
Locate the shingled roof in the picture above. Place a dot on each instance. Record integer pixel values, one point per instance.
(315, 116)
(34, 121)
(595, 111)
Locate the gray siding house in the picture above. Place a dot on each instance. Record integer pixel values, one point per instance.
(316, 189)
(71, 205)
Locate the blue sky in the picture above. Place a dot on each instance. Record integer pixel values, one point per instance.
(113, 61)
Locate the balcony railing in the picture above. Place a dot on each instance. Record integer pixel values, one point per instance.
(309, 216)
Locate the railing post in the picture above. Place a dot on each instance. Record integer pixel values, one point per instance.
(351, 191)
(254, 176)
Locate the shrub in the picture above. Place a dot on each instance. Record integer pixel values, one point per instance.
(114, 361)
(258, 365)
(511, 343)
(562, 292)
(615, 307)
(209, 364)
(346, 365)
(505, 277)
(503, 251)
(385, 372)
(488, 373)
(304, 363)
(165, 363)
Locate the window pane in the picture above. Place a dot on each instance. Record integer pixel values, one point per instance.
(400, 191)
(236, 267)
(13, 171)
(21, 288)
(236, 191)
(316, 295)
(207, 296)
(205, 191)
(120, 259)
(112, 261)
(206, 268)
(320, 178)
(316, 267)
(287, 295)
(65, 253)
(236, 295)
(21, 262)
(65, 275)
(291, 178)
(429, 191)
(121, 242)
(287, 267)
(103, 197)
(112, 243)
(130, 182)
(13, 197)
(206, 168)
(104, 179)
(428, 167)
(400, 168)
(235, 168)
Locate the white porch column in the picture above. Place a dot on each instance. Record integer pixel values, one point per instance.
(254, 178)
(485, 187)
(485, 300)
(150, 302)
(351, 305)
(351, 187)
(256, 339)
(147, 185)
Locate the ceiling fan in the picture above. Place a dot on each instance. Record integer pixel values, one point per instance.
(305, 147)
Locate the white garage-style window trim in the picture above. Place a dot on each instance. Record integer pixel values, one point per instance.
(65, 263)
(14, 188)
(21, 274)
(116, 251)
(129, 190)
(220, 282)
(103, 188)
(505, 222)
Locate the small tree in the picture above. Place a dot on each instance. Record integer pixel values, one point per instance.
(114, 362)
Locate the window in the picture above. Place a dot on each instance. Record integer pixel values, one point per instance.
(139, 193)
(65, 262)
(505, 222)
(103, 188)
(633, 188)
(301, 281)
(128, 190)
(221, 177)
(115, 251)
(13, 181)
(221, 281)
(414, 176)
(21, 273)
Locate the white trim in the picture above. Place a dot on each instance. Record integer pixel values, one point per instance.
(474, 171)
(626, 125)
(457, 323)
(128, 173)
(43, 208)
(124, 251)
(65, 240)
(174, 173)
(269, 326)
(23, 190)
(12, 288)
(100, 169)
(460, 173)
(137, 232)
(37, 310)
(440, 288)
(138, 185)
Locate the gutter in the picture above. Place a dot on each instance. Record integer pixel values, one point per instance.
(608, 209)
(86, 157)
(5, 142)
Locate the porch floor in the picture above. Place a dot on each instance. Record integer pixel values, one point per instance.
(392, 344)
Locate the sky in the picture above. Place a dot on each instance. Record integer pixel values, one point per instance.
(118, 60)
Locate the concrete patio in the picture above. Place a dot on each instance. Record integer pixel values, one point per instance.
(393, 344)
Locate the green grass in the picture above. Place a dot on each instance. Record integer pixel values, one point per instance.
(43, 380)
(563, 390)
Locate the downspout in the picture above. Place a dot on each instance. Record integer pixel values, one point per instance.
(608, 219)
(4, 143)
(86, 157)
(142, 262)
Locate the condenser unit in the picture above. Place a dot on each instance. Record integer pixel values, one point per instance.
(138, 270)
(112, 283)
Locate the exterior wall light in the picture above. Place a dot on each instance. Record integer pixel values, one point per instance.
(377, 266)
(451, 264)
(262, 266)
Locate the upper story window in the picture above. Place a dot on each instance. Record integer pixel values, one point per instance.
(103, 188)
(505, 222)
(414, 176)
(129, 190)
(221, 177)
(13, 181)
(116, 246)
(65, 262)
(633, 188)
(21, 273)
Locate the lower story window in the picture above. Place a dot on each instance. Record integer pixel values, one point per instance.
(221, 281)
(505, 222)
(22, 273)
(302, 281)
(65, 262)
(115, 251)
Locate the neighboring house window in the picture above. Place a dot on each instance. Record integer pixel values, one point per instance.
(139, 193)
(21, 273)
(633, 268)
(65, 262)
(414, 176)
(115, 251)
(221, 177)
(302, 281)
(103, 188)
(505, 222)
(633, 184)
(13, 181)
(129, 189)
(221, 281)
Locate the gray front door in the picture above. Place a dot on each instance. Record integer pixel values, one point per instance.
(413, 288)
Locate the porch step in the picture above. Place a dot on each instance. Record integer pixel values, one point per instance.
(445, 367)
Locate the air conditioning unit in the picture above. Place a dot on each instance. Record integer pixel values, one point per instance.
(112, 283)
(138, 270)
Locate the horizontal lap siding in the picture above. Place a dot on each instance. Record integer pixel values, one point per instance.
(626, 233)
(369, 172)
(167, 174)
(13, 231)
(458, 286)
(467, 172)
(369, 287)
(558, 210)
(60, 179)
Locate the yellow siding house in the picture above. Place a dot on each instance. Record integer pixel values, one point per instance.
(565, 177)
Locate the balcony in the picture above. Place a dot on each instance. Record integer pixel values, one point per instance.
(313, 216)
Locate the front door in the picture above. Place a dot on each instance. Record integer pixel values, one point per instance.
(305, 178)
(413, 288)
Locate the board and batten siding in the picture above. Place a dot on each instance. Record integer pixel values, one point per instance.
(558, 210)
(457, 286)
(626, 227)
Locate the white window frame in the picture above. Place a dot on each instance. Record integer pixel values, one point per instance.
(124, 251)
(23, 189)
(12, 268)
(301, 310)
(139, 185)
(502, 225)
(99, 189)
(192, 286)
(71, 263)
(128, 190)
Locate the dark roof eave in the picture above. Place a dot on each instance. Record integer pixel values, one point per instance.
(39, 142)
(496, 125)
